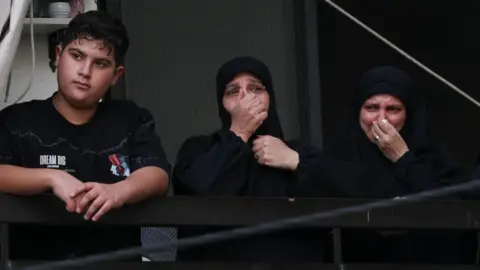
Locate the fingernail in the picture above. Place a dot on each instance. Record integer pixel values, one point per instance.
(78, 210)
(385, 120)
(374, 122)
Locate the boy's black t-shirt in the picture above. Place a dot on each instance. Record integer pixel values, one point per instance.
(118, 140)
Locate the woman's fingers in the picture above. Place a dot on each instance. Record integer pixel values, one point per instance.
(376, 137)
(386, 127)
(378, 133)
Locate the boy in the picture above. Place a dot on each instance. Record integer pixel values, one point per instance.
(94, 156)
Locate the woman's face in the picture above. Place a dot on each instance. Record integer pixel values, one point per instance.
(244, 84)
(379, 107)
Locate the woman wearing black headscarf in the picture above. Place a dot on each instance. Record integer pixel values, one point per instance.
(386, 150)
(384, 153)
(246, 157)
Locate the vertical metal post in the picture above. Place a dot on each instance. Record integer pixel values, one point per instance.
(4, 246)
(337, 246)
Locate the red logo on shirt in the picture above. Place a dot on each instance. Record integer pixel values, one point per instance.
(119, 165)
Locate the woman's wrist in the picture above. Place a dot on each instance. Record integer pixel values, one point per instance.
(292, 161)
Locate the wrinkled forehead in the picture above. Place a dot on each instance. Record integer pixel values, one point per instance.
(243, 76)
(383, 99)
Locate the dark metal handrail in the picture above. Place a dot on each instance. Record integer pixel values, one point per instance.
(172, 211)
(181, 211)
(250, 266)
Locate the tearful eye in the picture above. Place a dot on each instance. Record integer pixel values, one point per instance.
(256, 88)
(231, 92)
(395, 109)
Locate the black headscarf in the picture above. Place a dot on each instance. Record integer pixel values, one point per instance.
(393, 81)
(271, 126)
(384, 80)
(261, 180)
(235, 172)
(379, 172)
(354, 146)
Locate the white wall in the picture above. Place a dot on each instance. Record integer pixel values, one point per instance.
(44, 83)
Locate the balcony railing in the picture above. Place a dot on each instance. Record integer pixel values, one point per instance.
(48, 210)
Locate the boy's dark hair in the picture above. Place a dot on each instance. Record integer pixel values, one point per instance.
(98, 25)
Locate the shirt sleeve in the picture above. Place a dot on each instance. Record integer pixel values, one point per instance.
(7, 153)
(147, 149)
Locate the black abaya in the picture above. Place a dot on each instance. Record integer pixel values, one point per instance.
(356, 168)
(222, 164)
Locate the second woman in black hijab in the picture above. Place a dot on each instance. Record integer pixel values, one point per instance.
(246, 157)
(386, 152)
